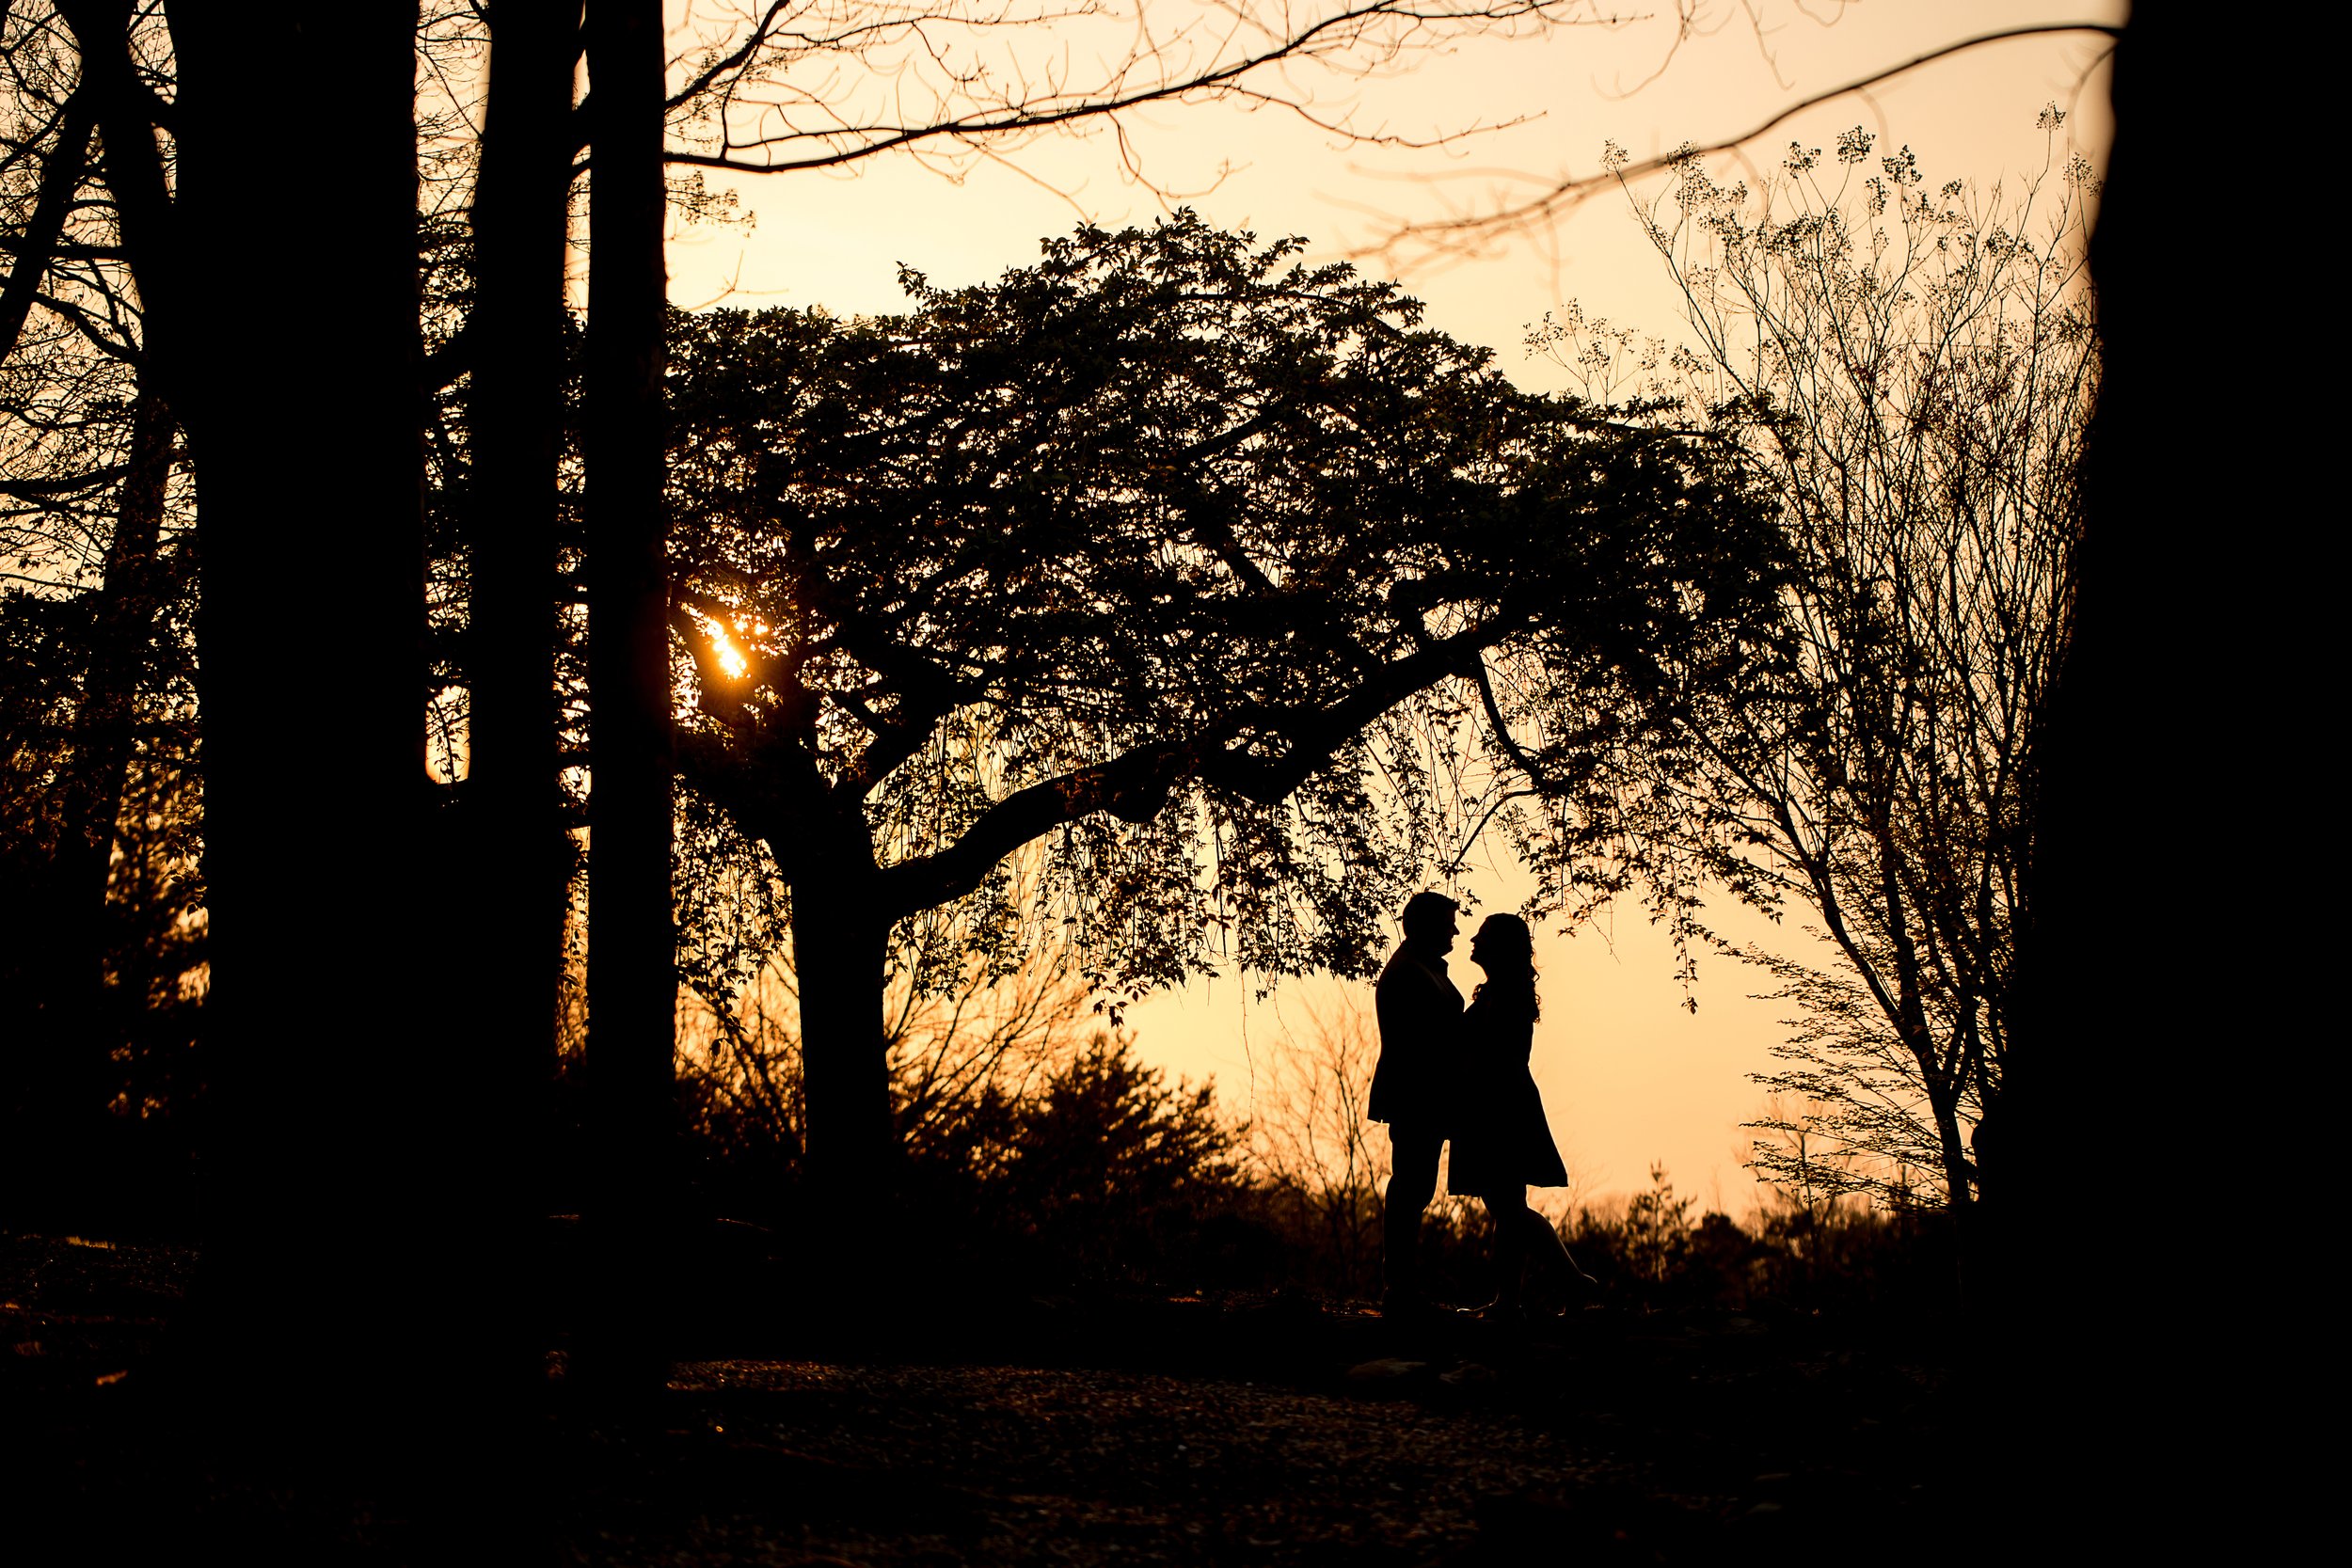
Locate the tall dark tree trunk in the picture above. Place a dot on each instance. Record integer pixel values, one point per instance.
(840, 951)
(335, 1141)
(123, 631)
(2130, 1005)
(632, 986)
(513, 826)
(840, 948)
(122, 627)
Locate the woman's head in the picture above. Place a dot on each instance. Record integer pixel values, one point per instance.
(1505, 949)
(1504, 940)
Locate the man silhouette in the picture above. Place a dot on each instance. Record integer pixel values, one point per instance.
(1419, 1010)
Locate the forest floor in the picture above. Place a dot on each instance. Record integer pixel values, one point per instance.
(1125, 1428)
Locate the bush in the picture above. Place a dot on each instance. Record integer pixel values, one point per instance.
(1104, 1173)
(1058, 1163)
(1840, 1254)
(1090, 1169)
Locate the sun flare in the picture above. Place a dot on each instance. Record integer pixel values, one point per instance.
(731, 658)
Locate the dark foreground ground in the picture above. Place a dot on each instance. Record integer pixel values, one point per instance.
(1111, 1430)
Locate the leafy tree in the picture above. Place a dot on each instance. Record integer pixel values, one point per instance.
(1160, 555)
(956, 1020)
(1655, 1232)
(1911, 369)
(101, 944)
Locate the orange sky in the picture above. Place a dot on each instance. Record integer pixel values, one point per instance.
(1628, 1075)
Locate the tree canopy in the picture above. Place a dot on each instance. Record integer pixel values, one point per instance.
(1171, 555)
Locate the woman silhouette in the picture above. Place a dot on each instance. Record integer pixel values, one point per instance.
(1502, 1145)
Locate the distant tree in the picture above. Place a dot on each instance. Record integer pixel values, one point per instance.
(1165, 555)
(1037, 1143)
(94, 523)
(1911, 369)
(1101, 1169)
(1322, 1163)
(1656, 1233)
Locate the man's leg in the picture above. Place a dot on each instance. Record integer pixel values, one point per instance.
(1412, 1182)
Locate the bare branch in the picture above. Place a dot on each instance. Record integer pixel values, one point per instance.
(927, 82)
(1459, 236)
(61, 174)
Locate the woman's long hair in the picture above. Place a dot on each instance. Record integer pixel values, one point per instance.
(1506, 950)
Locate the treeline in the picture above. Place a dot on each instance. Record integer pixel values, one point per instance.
(1076, 1166)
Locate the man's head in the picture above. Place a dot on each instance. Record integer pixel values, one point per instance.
(1429, 922)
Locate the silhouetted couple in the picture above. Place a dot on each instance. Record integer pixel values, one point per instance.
(1450, 1072)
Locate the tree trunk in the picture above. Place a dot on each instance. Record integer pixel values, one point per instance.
(332, 1085)
(2124, 1002)
(121, 631)
(632, 986)
(840, 949)
(513, 823)
(122, 627)
(64, 1156)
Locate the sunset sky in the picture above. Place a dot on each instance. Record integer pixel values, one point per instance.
(1628, 1074)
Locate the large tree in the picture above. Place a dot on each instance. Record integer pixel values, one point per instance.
(1911, 368)
(309, 515)
(1167, 555)
(2195, 598)
(512, 341)
(632, 986)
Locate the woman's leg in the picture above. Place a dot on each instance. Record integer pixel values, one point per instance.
(1507, 1211)
(1550, 1252)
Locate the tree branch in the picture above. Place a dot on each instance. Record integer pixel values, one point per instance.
(1134, 786)
(1458, 233)
(59, 178)
(1053, 108)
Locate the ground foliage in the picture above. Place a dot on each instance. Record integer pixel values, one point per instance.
(1071, 1164)
(1080, 1430)
(1085, 1169)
